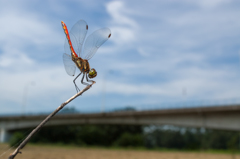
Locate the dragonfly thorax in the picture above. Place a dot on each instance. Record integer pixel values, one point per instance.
(84, 67)
(82, 64)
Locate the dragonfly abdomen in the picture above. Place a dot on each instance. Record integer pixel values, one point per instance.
(69, 40)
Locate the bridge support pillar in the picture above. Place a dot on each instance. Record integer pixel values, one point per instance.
(3, 135)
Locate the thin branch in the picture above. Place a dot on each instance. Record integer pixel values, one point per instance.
(45, 121)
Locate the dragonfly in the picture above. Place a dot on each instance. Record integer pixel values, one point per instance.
(76, 56)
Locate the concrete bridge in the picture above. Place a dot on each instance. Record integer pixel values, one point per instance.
(217, 117)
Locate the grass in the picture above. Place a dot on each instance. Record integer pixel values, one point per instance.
(135, 148)
(61, 151)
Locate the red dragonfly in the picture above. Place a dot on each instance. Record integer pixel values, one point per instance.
(75, 56)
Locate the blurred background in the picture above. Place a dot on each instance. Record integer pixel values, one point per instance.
(161, 55)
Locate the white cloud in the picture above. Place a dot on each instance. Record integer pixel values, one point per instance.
(15, 60)
(156, 50)
(117, 10)
(211, 4)
(123, 27)
(122, 35)
(21, 27)
(200, 83)
(142, 52)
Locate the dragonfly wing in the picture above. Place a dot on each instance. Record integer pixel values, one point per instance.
(69, 65)
(77, 35)
(94, 41)
(67, 47)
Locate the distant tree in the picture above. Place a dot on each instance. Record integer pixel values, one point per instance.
(129, 140)
(134, 135)
(16, 138)
(102, 135)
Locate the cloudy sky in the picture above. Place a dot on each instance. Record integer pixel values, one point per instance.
(159, 52)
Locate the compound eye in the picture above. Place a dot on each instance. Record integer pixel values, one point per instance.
(92, 73)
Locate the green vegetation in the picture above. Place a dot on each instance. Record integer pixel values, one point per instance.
(16, 138)
(87, 135)
(192, 139)
(150, 137)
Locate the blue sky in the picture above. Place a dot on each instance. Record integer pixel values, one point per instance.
(159, 52)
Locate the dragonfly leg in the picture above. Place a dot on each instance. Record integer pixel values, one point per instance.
(77, 89)
(89, 80)
(83, 79)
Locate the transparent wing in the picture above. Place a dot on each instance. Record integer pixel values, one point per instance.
(94, 41)
(77, 36)
(69, 65)
(67, 47)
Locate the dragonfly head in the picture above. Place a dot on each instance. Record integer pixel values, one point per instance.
(92, 73)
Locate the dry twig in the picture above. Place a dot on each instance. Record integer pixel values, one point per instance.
(45, 121)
